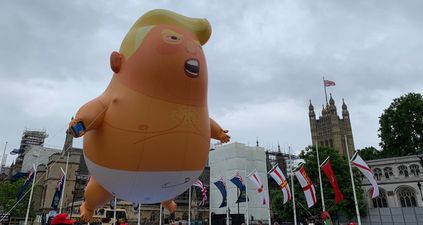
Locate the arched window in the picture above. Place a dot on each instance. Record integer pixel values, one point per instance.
(387, 171)
(380, 201)
(378, 173)
(403, 170)
(415, 170)
(407, 197)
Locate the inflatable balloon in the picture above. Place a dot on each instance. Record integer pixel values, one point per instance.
(147, 136)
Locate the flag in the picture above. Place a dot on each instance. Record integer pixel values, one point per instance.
(277, 175)
(306, 184)
(327, 169)
(328, 83)
(221, 185)
(203, 189)
(58, 192)
(239, 183)
(25, 185)
(326, 218)
(255, 178)
(367, 172)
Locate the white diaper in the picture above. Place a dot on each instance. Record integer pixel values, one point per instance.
(143, 187)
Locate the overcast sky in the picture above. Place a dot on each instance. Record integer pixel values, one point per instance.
(266, 59)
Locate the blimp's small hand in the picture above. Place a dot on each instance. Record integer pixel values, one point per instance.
(223, 136)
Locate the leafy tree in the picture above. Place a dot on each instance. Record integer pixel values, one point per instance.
(8, 193)
(401, 126)
(341, 169)
(370, 153)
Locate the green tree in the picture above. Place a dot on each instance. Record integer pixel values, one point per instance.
(8, 193)
(401, 126)
(341, 169)
(370, 153)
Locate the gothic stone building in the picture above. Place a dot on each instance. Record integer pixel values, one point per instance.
(329, 130)
(399, 179)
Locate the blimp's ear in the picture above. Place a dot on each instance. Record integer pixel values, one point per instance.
(116, 61)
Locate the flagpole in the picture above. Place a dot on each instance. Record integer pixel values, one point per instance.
(64, 183)
(189, 206)
(209, 202)
(292, 185)
(114, 209)
(227, 207)
(268, 200)
(352, 182)
(246, 194)
(326, 95)
(30, 195)
(320, 178)
(139, 213)
(160, 212)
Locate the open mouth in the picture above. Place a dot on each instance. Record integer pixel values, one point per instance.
(192, 68)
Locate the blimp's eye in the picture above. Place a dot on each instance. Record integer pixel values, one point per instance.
(172, 39)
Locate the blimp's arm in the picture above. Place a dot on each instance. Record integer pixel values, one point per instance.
(89, 116)
(218, 133)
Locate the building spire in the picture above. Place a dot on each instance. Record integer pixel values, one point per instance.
(311, 112)
(345, 113)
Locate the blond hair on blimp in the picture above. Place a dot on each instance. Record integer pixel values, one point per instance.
(199, 27)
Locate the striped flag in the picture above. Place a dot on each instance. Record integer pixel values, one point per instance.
(25, 185)
(306, 184)
(277, 175)
(255, 178)
(221, 185)
(367, 172)
(239, 183)
(203, 189)
(328, 83)
(58, 192)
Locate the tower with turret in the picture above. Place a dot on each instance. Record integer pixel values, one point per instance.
(329, 129)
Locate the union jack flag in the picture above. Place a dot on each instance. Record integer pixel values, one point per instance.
(58, 192)
(25, 185)
(200, 185)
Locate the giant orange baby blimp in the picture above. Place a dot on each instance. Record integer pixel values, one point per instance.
(147, 136)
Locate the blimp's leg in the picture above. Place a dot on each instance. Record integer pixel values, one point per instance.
(169, 205)
(95, 197)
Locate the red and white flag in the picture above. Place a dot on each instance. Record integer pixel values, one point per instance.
(307, 185)
(328, 83)
(277, 175)
(367, 172)
(255, 178)
(200, 185)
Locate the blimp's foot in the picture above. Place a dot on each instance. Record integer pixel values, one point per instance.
(86, 214)
(95, 197)
(169, 205)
